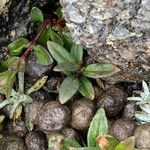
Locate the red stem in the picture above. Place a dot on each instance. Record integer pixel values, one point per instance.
(34, 41)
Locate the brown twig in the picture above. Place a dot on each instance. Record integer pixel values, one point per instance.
(34, 41)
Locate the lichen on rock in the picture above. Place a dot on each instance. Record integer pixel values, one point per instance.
(4, 6)
(114, 31)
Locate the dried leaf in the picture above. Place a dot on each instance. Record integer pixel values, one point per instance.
(37, 85)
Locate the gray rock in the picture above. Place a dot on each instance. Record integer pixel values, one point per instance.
(34, 69)
(15, 19)
(12, 142)
(114, 32)
(142, 136)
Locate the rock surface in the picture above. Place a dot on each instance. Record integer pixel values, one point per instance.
(114, 31)
(15, 20)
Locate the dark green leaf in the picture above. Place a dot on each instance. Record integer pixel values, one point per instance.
(68, 142)
(17, 46)
(60, 54)
(98, 127)
(67, 73)
(44, 37)
(68, 88)
(42, 55)
(86, 88)
(59, 12)
(8, 61)
(77, 52)
(37, 15)
(55, 37)
(67, 39)
(100, 70)
(68, 67)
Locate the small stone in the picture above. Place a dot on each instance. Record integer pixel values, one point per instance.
(129, 111)
(122, 129)
(70, 133)
(142, 136)
(53, 116)
(34, 69)
(31, 110)
(35, 141)
(82, 114)
(112, 101)
(12, 143)
(17, 127)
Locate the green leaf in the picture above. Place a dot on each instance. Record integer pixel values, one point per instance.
(77, 52)
(44, 37)
(59, 12)
(55, 37)
(98, 127)
(127, 144)
(100, 70)
(86, 88)
(68, 88)
(37, 85)
(113, 143)
(17, 46)
(10, 83)
(60, 54)
(42, 55)
(8, 61)
(68, 67)
(86, 148)
(37, 15)
(29, 124)
(7, 79)
(3, 78)
(67, 39)
(68, 142)
(2, 117)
